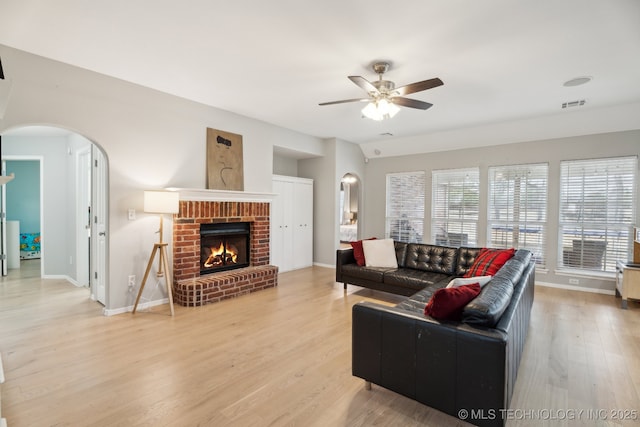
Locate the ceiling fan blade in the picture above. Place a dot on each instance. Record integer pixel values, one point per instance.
(418, 86)
(364, 84)
(411, 103)
(345, 101)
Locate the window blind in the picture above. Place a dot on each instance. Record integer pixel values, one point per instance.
(597, 212)
(517, 216)
(405, 206)
(454, 207)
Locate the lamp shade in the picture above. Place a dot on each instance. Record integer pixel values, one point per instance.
(161, 202)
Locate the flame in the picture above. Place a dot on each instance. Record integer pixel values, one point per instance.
(218, 256)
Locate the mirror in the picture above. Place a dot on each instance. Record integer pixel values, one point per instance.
(349, 194)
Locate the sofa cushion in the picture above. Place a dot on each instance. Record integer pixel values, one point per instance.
(512, 270)
(416, 279)
(416, 302)
(487, 308)
(448, 303)
(401, 253)
(459, 281)
(438, 259)
(358, 252)
(466, 258)
(366, 273)
(380, 253)
(489, 261)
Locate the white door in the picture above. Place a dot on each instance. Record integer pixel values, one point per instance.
(99, 196)
(282, 235)
(303, 223)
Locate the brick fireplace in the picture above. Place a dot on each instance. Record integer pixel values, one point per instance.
(192, 289)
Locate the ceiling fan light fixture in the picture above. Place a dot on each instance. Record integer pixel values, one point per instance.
(384, 98)
(380, 109)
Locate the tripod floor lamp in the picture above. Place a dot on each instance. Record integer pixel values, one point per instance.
(160, 202)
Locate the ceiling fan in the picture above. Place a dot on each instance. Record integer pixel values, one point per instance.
(384, 97)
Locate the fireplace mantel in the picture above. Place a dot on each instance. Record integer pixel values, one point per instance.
(200, 194)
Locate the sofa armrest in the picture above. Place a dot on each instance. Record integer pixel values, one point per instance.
(446, 365)
(343, 256)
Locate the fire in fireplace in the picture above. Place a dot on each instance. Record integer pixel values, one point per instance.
(224, 246)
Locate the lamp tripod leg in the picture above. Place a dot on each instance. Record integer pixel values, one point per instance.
(165, 261)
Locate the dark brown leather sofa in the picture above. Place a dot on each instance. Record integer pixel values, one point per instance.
(464, 368)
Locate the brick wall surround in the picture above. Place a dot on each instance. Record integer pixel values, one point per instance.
(191, 289)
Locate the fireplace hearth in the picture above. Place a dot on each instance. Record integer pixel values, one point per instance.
(191, 286)
(224, 246)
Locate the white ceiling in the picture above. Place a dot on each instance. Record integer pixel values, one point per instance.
(503, 62)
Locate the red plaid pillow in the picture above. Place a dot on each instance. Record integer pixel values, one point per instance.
(358, 252)
(489, 261)
(448, 303)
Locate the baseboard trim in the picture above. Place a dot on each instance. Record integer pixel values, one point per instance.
(57, 277)
(141, 306)
(576, 288)
(319, 264)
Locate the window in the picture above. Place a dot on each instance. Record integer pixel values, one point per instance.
(405, 206)
(597, 200)
(454, 211)
(517, 216)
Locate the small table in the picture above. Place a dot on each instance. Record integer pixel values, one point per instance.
(627, 281)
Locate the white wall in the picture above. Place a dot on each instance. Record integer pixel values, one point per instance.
(551, 151)
(151, 139)
(286, 166)
(339, 158)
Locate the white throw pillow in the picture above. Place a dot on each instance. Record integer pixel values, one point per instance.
(380, 253)
(459, 281)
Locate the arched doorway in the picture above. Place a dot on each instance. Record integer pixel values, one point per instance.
(349, 208)
(73, 203)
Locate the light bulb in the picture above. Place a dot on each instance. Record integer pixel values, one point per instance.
(371, 112)
(380, 110)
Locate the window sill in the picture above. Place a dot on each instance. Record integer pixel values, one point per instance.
(586, 274)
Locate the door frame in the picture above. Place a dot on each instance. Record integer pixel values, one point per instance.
(83, 218)
(103, 197)
(40, 160)
(99, 257)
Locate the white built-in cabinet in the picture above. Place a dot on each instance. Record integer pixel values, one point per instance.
(292, 223)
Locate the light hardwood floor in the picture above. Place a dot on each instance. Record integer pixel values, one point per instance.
(277, 357)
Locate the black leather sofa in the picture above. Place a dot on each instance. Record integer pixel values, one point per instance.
(419, 265)
(464, 368)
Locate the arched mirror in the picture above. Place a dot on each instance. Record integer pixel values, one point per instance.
(349, 194)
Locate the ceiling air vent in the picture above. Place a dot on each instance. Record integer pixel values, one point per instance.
(570, 104)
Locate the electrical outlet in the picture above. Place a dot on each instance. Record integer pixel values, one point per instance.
(132, 281)
(574, 281)
(131, 214)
